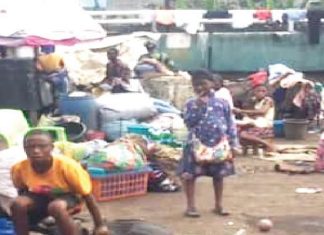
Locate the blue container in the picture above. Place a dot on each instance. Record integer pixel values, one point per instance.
(6, 227)
(83, 106)
(278, 128)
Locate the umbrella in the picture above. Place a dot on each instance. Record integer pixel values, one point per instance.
(46, 22)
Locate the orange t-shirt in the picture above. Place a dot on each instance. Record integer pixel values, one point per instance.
(66, 175)
(50, 63)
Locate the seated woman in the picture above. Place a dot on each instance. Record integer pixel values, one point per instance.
(257, 123)
(153, 62)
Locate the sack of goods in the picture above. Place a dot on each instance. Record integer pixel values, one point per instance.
(120, 156)
(125, 106)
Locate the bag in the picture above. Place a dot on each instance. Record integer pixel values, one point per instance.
(125, 106)
(216, 154)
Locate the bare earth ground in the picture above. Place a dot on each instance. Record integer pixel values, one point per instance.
(255, 192)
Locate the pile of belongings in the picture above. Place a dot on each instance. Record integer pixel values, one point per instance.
(118, 156)
(294, 95)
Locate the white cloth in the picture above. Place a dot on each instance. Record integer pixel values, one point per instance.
(8, 158)
(5, 204)
(293, 79)
(225, 94)
(277, 15)
(53, 20)
(276, 70)
(190, 21)
(241, 18)
(18, 125)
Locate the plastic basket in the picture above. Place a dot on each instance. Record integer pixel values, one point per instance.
(57, 132)
(120, 185)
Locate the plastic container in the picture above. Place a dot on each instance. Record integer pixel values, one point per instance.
(6, 227)
(120, 185)
(75, 131)
(82, 105)
(278, 128)
(138, 129)
(57, 132)
(295, 129)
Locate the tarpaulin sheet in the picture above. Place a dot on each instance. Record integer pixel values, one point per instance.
(40, 22)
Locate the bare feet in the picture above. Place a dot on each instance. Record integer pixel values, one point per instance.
(271, 148)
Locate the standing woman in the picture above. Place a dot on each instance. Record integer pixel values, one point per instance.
(209, 119)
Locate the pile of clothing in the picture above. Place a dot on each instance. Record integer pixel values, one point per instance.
(294, 96)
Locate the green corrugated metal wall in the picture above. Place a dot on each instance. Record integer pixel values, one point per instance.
(245, 52)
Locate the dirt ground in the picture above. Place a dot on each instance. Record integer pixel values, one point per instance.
(255, 192)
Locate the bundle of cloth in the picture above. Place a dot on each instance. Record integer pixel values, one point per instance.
(121, 155)
(294, 96)
(8, 158)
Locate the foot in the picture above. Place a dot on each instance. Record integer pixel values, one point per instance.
(220, 212)
(192, 213)
(271, 148)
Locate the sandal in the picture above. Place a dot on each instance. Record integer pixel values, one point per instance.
(221, 212)
(192, 213)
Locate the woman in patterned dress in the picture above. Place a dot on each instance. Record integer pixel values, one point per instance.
(208, 119)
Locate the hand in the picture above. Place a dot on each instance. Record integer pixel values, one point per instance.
(117, 81)
(101, 230)
(236, 110)
(237, 151)
(202, 100)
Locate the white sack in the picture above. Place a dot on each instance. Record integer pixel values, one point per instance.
(125, 106)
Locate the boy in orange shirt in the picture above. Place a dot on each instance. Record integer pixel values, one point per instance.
(50, 186)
